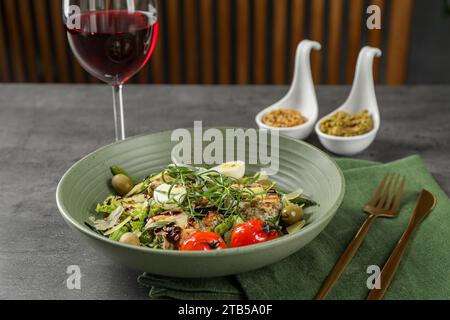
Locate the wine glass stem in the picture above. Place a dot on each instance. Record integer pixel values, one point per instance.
(119, 121)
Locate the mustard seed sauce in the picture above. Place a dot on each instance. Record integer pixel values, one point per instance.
(284, 118)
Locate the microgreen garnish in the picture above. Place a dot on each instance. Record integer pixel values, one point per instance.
(208, 186)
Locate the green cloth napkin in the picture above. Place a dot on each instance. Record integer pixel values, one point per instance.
(423, 274)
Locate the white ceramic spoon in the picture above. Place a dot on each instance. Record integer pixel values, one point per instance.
(301, 96)
(362, 96)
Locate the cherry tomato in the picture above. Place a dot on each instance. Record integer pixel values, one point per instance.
(203, 241)
(251, 232)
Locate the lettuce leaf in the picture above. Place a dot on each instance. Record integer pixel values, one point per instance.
(119, 233)
(109, 205)
(304, 202)
(137, 225)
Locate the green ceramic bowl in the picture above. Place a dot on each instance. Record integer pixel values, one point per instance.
(87, 183)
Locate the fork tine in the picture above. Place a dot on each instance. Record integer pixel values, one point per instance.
(388, 204)
(386, 192)
(399, 194)
(377, 194)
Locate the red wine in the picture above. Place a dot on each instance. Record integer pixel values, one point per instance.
(113, 45)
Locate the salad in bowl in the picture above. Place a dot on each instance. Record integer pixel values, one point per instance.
(189, 208)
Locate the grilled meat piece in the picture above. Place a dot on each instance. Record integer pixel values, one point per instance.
(266, 209)
(211, 220)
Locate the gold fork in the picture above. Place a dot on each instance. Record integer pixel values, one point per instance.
(385, 203)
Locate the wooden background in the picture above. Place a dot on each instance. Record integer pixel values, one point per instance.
(219, 41)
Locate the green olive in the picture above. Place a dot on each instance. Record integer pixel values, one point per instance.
(291, 214)
(130, 238)
(122, 184)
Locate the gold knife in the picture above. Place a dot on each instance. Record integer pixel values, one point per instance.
(425, 204)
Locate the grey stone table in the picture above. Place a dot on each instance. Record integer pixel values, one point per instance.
(44, 129)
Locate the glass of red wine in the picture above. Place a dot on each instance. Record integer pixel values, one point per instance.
(112, 40)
